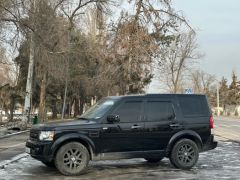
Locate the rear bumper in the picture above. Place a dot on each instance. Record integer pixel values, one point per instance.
(210, 144)
(40, 150)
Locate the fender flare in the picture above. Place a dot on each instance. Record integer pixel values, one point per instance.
(71, 137)
(182, 134)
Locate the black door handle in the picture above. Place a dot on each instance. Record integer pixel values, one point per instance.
(175, 126)
(135, 126)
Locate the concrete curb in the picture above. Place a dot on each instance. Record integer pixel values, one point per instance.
(14, 159)
(9, 135)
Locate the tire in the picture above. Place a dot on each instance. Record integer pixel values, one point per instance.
(184, 154)
(49, 164)
(154, 160)
(72, 159)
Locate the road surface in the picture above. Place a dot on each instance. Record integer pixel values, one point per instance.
(12, 146)
(227, 128)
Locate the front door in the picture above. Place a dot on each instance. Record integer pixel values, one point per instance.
(127, 135)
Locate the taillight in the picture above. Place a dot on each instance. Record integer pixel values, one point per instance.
(211, 122)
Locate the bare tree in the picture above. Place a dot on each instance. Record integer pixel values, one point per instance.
(202, 82)
(176, 58)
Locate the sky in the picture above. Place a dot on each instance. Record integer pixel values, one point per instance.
(218, 34)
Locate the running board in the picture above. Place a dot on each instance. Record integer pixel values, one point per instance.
(128, 155)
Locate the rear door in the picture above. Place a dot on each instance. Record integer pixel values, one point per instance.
(161, 123)
(196, 114)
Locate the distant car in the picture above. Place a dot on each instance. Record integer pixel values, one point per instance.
(144, 126)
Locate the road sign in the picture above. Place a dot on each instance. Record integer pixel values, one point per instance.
(188, 91)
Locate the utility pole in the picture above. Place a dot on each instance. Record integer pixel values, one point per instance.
(28, 95)
(218, 113)
(67, 70)
(65, 92)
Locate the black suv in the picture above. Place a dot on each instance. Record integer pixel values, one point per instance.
(150, 126)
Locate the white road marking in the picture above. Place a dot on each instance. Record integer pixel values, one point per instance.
(228, 126)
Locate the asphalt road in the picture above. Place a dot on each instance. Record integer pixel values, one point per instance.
(12, 146)
(227, 128)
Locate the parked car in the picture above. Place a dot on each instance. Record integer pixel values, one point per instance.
(150, 126)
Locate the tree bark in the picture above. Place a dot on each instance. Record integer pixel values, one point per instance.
(81, 106)
(42, 105)
(54, 109)
(76, 107)
(12, 103)
(6, 111)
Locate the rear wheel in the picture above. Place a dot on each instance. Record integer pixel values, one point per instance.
(154, 160)
(184, 154)
(72, 159)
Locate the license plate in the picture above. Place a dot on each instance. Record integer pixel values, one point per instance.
(28, 150)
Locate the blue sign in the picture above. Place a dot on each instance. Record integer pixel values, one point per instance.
(188, 91)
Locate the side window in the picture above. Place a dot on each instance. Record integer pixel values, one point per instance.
(158, 111)
(129, 111)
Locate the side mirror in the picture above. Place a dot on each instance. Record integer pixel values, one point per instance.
(113, 118)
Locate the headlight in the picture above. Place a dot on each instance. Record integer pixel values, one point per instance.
(46, 135)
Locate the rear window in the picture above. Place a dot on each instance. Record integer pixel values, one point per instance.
(194, 105)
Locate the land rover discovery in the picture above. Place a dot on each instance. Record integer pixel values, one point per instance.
(150, 126)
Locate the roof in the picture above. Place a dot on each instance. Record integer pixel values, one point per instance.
(154, 95)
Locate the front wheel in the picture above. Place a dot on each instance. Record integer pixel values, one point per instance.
(72, 159)
(184, 154)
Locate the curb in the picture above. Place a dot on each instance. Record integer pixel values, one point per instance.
(14, 159)
(9, 135)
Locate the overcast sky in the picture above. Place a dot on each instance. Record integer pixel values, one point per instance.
(218, 24)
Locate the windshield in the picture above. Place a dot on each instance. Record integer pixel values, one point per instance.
(99, 109)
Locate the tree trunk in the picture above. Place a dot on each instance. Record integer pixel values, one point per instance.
(6, 111)
(54, 109)
(81, 106)
(175, 88)
(76, 107)
(12, 103)
(42, 111)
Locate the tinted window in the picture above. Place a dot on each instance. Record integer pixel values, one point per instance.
(99, 109)
(129, 111)
(158, 111)
(194, 105)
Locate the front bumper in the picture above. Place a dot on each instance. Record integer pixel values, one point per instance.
(210, 144)
(40, 150)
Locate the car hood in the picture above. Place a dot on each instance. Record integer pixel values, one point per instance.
(62, 124)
